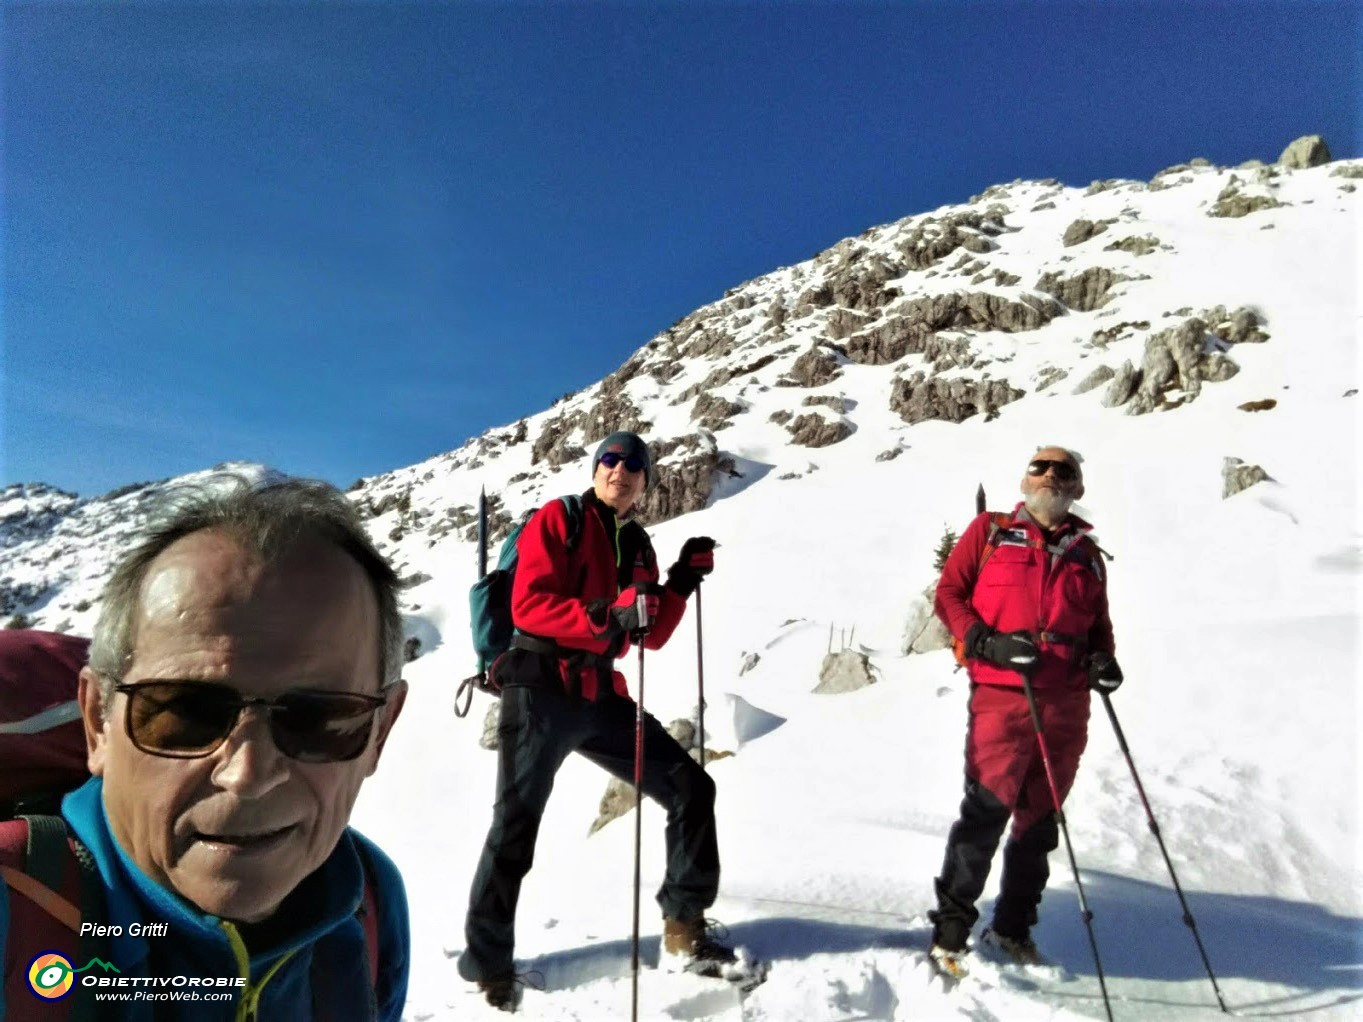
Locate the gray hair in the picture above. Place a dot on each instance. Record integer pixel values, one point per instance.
(267, 520)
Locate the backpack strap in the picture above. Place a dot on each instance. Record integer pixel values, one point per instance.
(60, 879)
(368, 915)
(47, 857)
(572, 503)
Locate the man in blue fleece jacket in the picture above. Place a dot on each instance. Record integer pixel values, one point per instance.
(243, 678)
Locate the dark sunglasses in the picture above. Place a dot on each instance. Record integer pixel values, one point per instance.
(189, 719)
(1063, 469)
(633, 463)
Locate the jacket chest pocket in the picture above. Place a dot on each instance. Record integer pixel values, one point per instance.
(1010, 567)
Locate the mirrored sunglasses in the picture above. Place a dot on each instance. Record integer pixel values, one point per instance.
(633, 463)
(189, 719)
(1063, 469)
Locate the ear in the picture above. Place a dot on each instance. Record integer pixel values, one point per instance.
(1079, 491)
(91, 698)
(387, 720)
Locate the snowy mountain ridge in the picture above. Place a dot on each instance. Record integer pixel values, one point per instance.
(826, 422)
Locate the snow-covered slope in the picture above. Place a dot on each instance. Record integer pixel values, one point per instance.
(926, 357)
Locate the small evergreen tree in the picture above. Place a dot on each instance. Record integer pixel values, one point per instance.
(944, 548)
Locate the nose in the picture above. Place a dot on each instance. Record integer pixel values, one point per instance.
(249, 764)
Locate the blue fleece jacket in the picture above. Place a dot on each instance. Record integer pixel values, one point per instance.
(311, 967)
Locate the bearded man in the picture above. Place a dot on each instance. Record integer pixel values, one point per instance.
(1026, 594)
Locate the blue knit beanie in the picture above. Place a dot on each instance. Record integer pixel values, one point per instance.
(626, 444)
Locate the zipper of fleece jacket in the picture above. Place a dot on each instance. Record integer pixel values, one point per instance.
(248, 1008)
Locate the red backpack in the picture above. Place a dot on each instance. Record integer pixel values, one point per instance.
(53, 883)
(42, 740)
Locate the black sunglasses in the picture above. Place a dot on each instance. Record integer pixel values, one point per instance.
(633, 463)
(190, 719)
(1063, 469)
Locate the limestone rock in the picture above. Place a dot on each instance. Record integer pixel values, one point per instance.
(813, 430)
(1083, 291)
(1307, 151)
(814, 368)
(845, 670)
(1100, 375)
(491, 721)
(1123, 385)
(919, 397)
(1082, 230)
(1237, 476)
(714, 412)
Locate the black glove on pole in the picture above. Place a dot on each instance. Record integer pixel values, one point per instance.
(1105, 675)
(696, 560)
(1013, 651)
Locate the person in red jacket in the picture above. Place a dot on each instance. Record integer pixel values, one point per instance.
(1028, 595)
(575, 609)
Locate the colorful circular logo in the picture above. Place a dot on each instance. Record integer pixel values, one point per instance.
(50, 976)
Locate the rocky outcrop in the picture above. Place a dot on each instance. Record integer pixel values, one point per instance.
(1048, 376)
(1237, 476)
(1232, 202)
(1304, 152)
(1242, 326)
(1179, 359)
(714, 412)
(844, 671)
(834, 401)
(920, 397)
(814, 368)
(1095, 379)
(1123, 385)
(1136, 246)
(842, 322)
(722, 375)
(815, 430)
(1082, 292)
(935, 238)
(913, 329)
(683, 486)
(1082, 230)
(856, 286)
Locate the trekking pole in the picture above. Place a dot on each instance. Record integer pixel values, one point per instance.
(641, 608)
(1065, 830)
(1154, 829)
(700, 677)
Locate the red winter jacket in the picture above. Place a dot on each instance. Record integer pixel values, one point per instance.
(1052, 587)
(553, 588)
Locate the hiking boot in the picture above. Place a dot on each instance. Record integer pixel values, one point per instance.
(696, 947)
(504, 992)
(1018, 950)
(950, 964)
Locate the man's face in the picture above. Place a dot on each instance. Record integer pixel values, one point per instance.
(1048, 493)
(618, 486)
(236, 830)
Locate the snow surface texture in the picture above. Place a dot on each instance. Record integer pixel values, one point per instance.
(1237, 625)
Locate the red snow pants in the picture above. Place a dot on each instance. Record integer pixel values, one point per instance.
(1005, 777)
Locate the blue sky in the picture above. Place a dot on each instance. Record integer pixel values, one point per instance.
(340, 239)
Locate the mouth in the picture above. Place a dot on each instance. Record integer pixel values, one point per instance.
(244, 842)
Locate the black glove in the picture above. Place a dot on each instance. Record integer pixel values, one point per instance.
(623, 615)
(696, 560)
(1104, 673)
(1013, 651)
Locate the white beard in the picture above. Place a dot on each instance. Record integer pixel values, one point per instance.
(1047, 504)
